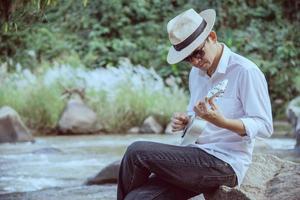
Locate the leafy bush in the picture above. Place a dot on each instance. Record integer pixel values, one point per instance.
(122, 97)
(38, 104)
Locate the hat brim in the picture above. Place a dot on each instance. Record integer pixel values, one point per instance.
(175, 56)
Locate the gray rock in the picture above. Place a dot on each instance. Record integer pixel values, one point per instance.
(293, 115)
(109, 174)
(12, 129)
(134, 130)
(150, 125)
(78, 118)
(268, 178)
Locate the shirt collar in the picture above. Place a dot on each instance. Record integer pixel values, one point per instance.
(223, 63)
(224, 60)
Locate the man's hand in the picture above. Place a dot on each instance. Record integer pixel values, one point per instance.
(179, 121)
(212, 114)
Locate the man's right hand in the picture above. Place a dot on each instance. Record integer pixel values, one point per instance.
(179, 121)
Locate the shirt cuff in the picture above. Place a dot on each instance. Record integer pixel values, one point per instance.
(250, 126)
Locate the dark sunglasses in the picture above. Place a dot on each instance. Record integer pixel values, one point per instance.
(198, 53)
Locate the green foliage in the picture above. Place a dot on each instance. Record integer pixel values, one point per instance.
(39, 106)
(130, 107)
(99, 33)
(43, 107)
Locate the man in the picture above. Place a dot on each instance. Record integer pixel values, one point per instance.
(222, 153)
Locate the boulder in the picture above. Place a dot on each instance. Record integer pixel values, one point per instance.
(109, 174)
(293, 115)
(150, 125)
(78, 118)
(268, 177)
(12, 129)
(134, 130)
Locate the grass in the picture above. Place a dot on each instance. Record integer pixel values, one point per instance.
(131, 95)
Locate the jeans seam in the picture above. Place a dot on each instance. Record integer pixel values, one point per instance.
(186, 163)
(132, 178)
(145, 157)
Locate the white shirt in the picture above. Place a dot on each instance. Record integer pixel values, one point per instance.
(246, 98)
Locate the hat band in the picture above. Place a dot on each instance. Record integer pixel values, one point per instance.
(191, 38)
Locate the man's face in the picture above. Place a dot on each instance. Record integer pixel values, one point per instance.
(203, 56)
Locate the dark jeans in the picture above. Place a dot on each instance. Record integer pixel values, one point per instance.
(176, 172)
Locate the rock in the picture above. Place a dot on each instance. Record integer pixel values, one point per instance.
(109, 174)
(286, 154)
(78, 118)
(168, 129)
(293, 115)
(150, 125)
(134, 130)
(12, 129)
(267, 178)
(285, 184)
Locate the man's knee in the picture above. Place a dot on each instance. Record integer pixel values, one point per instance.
(138, 146)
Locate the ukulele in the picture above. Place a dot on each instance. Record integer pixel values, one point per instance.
(196, 125)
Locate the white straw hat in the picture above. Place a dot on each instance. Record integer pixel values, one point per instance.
(187, 32)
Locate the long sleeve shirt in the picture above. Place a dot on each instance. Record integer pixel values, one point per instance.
(246, 98)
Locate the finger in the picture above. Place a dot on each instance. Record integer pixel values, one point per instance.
(214, 106)
(210, 100)
(177, 128)
(198, 110)
(177, 121)
(202, 107)
(182, 117)
(185, 119)
(211, 103)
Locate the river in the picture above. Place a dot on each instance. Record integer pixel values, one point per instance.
(67, 161)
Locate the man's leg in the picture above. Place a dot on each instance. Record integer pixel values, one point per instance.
(189, 168)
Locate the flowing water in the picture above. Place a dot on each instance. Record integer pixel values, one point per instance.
(64, 161)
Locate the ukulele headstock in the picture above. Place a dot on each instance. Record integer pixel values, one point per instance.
(218, 90)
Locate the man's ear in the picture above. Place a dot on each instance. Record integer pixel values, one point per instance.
(213, 37)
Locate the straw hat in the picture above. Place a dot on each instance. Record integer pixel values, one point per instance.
(187, 32)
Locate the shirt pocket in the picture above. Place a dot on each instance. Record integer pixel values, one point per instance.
(229, 107)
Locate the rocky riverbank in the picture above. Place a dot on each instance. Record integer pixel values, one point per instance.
(57, 167)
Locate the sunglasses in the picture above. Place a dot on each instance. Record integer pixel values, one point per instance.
(198, 53)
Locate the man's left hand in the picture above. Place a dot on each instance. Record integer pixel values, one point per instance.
(211, 114)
